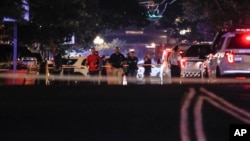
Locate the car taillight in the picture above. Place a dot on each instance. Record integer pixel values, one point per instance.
(183, 63)
(229, 56)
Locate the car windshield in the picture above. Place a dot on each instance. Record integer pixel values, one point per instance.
(240, 41)
(29, 62)
(68, 61)
(198, 51)
(38, 56)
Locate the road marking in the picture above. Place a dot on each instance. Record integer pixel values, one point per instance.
(215, 101)
(229, 111)
(198, 120)
(184, 132)
(227, 106)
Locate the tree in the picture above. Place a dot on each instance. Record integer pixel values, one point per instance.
(120, 13)
(220, 13)
(206, 17)
(12, 9)
(56, 21)
(174, 21)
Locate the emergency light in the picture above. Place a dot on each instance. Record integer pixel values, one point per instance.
(248, 38)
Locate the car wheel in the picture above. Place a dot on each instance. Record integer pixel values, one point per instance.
(139, 77)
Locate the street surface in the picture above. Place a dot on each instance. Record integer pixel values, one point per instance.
(186, 112)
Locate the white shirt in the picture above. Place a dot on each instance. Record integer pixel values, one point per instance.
(174, 58)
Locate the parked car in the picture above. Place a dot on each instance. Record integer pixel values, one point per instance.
(194, 59)
(72, 66)
(6, 56)
(155, 71)
(231, 55)
(29, 63)
(75, 66)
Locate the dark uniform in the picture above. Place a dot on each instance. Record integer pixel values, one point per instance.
(132, 67)
(147, 68)
(117, 60)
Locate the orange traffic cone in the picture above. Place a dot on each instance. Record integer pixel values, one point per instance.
(124, 80)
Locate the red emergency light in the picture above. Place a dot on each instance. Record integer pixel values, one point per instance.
(248, 38)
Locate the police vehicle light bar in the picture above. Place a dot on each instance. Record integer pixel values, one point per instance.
(242, 30)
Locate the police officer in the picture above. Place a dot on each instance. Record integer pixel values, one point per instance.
(175, 62)
(132, 61)
(117, 60)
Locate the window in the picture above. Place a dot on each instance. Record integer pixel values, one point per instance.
(198, 51)
(218, 44)
(68, 61)
(192, 51)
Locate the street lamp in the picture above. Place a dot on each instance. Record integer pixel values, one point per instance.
(9, 19)
(98, 40)
(153, 45)
(14, 46)
(184, 31)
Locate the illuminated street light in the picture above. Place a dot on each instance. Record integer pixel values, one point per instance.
(98, 41)
(184, 31)
(153, 45)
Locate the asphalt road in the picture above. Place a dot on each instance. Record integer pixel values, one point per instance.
(125, 113)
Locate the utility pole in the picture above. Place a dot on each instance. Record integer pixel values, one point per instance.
(15, 52)
(8, 19)
(14, 46)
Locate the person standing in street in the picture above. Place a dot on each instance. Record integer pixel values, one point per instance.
(103, 70)
(117, 60)
(147, 68)
(175, 62)
(93, 63)
(165, 67)
(132, 68)
(58, 65)
(58, 61)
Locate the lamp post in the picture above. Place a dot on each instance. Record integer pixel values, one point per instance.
(14, 47)
(15, 50)
(7, 19)
(185, 31)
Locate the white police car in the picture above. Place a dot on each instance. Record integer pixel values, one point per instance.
(192, 64)
(155, 71)
(231, 54)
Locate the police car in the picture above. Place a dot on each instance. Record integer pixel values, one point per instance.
(29, 63)
(192, 63)
(155, 71)
(231, 54)
(75, 66)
